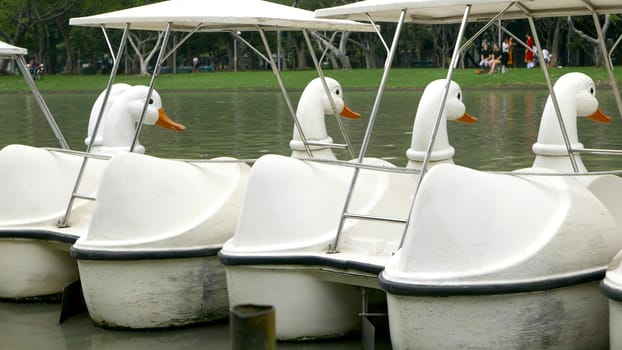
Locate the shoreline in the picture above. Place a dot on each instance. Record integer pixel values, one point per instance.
(400, 79)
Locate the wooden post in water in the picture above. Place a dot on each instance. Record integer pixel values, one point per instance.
(252, 327)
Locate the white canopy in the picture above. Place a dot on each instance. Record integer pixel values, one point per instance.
(449, 11)
(7, 50)
(236, 15)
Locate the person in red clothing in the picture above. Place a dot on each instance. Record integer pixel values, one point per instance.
(529, 52)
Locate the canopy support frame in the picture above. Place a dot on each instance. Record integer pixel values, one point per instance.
(64, 222)
(332, 248)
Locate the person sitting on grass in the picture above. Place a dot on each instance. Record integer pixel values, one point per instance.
(497, 55)
(485, 56)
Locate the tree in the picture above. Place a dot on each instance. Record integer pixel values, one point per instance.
(443, 37)
(550, 34)
(34, 18)
(592, 39)
(141, 43)
(335, 52)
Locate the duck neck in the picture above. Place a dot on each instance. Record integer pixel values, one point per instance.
(550, 134)
(322, 152)
(442, 151)
(550, 149)
(418, 165)
(311, 119)
(560, 163)
(119, 129)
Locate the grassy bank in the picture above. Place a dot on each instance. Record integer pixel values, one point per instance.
(415, 78)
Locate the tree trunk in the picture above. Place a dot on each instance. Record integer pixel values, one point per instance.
(140, 48)
(597, 54)
(555, 43)
(342, 52)
(301, 54)
(69, 67)
(333, 51)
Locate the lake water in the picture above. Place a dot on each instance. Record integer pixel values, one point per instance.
(247, 125)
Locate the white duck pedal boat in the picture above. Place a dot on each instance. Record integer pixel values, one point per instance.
(506, 261)
(149, 259)
(34, 249)
(290, 217)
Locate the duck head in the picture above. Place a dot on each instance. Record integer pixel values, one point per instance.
(576, 97)
(313, 106)
(119, 124)
(454, 109)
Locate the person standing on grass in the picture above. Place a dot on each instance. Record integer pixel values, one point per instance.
(546, 56)
(511, 57)
(195, 65)
(529, 52)
(505, 52)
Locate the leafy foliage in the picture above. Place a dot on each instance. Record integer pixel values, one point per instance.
(42, 26)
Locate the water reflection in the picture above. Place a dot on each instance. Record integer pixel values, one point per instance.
(35, 326)
(249, 124)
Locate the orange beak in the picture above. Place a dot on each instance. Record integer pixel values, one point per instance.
(467, 118)
(599, 116)
(348, 113)
(166, 122)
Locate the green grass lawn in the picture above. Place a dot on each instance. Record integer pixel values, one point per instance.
(399, 78)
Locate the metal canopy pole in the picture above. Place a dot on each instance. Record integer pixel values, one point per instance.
(114, 58)
(279, 79)
(486, 26)
(156, 72)
(372, 118)
(614, 46)
(439, 114)
(608, 64)
(344, 133)
(21, 64)
(549, 84)
(65, 221)
(330, 41)
(113, 74)
(176, 45)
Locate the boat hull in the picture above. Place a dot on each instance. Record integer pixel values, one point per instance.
(154, 293)
(306, 306)
(35, 268)
(573, 317)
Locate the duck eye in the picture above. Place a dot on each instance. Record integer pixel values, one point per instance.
(459, 96)
(150, 101)
(337, 92)
(592, 90)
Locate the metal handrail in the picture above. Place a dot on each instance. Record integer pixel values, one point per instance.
(154, 76)
(78, 153)
(374, 218)
(344, 133)
(327, 144)
(64, 222)
(332, 248)
(21, 64)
